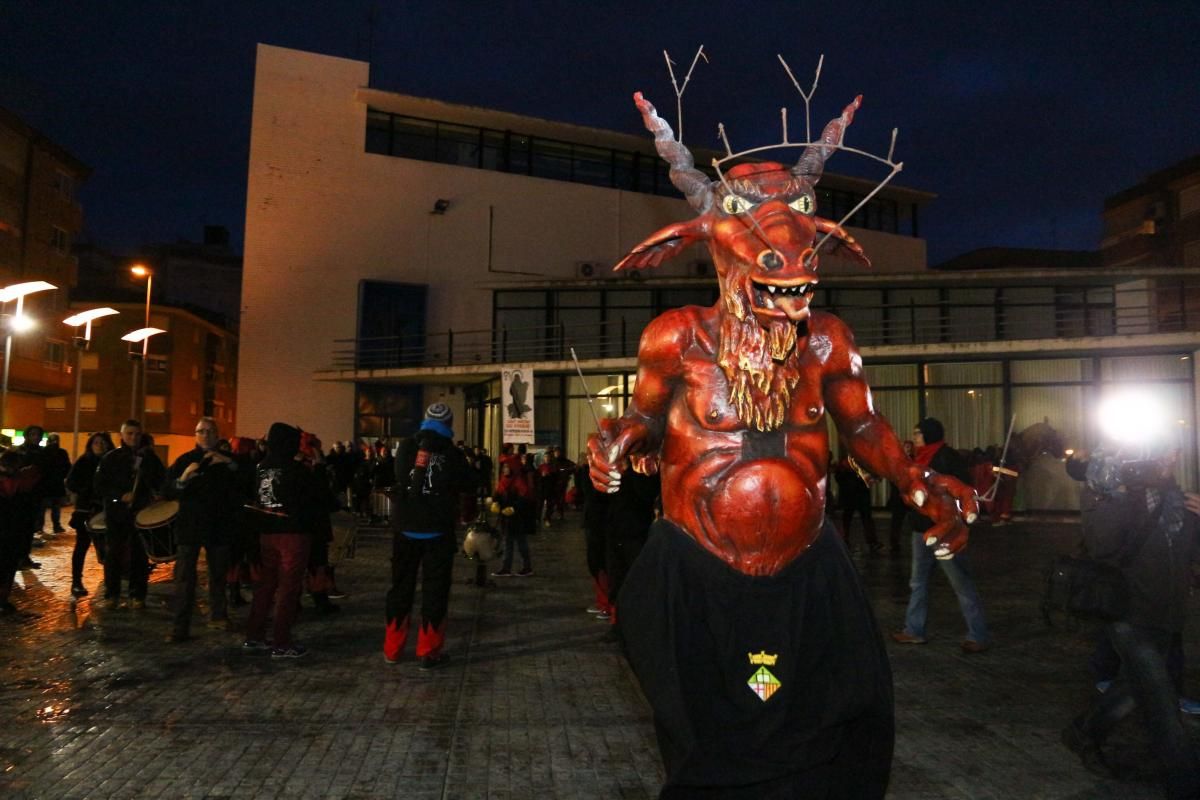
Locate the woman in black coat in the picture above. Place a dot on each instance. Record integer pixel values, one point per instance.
(79, 483)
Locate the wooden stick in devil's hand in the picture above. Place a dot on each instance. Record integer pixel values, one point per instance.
(588, 395)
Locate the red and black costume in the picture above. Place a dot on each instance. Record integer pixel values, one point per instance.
(431, 474)
(744, 619)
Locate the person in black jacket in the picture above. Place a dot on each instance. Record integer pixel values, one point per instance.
(431, 474)
(287, 510)
(205, 482)
(87, 504)
(125, 483)
(929, 439)
(28, 506)
(627, 524)
(58, 464)
(1137, 519)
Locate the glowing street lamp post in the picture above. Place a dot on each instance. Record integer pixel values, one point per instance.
(17, 323)
(84, 318)
(142, 336)
(142, 271)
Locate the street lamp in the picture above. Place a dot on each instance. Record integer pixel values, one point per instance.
(17, 323)
(143, 271)
(142, 336)
(84, 318)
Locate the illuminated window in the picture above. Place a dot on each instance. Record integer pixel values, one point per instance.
(87, 401)
(89, 361)
(156, 404)
(56, 403)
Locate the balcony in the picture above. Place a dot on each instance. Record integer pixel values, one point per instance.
(1119, 316)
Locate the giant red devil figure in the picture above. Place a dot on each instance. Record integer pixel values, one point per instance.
(744, 620)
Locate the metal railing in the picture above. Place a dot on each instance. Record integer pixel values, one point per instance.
(898, 324)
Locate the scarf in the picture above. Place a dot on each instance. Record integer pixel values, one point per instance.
(926, 452)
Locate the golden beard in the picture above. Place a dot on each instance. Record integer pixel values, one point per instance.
(761, 364)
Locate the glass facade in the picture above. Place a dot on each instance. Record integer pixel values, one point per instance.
(975, 400)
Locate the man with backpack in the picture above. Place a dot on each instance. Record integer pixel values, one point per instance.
(431, 474)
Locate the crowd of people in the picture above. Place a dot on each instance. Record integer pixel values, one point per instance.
(262, 510)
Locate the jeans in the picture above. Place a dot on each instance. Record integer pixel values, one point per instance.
(958, 572)
(1144, 681)
(186, 556)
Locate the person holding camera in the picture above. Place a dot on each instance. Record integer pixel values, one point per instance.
(1136, 518)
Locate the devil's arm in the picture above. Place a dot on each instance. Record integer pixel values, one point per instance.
(638, 433)
(874, 445)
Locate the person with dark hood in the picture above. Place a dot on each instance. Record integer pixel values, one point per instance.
(929, 439)
(80, 483)
(1137, 519)
(285, 510)
(431, 474)
(125, 483)
(205, 481)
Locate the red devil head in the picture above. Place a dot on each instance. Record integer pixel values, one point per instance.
(759, 221)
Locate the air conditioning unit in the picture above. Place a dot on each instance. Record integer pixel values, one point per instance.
(588, 269)
(701, 269)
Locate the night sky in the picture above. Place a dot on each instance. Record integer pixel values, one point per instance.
(1022, 118)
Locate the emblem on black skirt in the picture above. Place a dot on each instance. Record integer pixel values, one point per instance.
(762, 682)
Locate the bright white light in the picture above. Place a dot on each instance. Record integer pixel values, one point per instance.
(21, 324)
(84, 317)
(1133, 416)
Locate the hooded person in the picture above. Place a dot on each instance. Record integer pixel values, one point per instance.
(431, 475)
(287, 505)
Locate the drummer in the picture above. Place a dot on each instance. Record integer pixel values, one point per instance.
(125, 483)
(205, 482)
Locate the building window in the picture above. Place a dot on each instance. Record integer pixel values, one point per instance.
(60, 240)
(89, 361)
(156, 363)
(87, 401)
(64, 184)
(55, 352)
(58, 403)
(156, 404)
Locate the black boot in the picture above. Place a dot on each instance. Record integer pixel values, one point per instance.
(78, 589)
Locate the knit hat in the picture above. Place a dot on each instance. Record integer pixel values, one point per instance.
(440, 412)
(283, 441)
(932, 430)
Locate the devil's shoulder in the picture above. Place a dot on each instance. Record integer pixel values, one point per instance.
(832, 342)
(673, 333)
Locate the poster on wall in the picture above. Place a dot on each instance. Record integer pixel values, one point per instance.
(516, 395)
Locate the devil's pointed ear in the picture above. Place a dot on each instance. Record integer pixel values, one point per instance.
(665, 243)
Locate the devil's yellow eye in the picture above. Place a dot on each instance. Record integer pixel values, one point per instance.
(732, 204)
(804, 204)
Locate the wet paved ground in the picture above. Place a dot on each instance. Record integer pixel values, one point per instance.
(94, 704)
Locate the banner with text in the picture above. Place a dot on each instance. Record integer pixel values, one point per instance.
(516, 401)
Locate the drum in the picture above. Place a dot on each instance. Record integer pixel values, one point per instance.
(155, 527)
(97, 523)
(481, 543)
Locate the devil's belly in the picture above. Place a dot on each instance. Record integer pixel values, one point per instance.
(757, 516)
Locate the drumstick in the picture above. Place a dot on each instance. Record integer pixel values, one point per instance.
(262, 510)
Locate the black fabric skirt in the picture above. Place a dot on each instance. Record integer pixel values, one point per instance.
(774, 687)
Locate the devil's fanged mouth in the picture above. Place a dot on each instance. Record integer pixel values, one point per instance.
(791, 298)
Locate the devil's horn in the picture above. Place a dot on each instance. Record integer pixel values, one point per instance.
(694, 184)
(812, 160)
